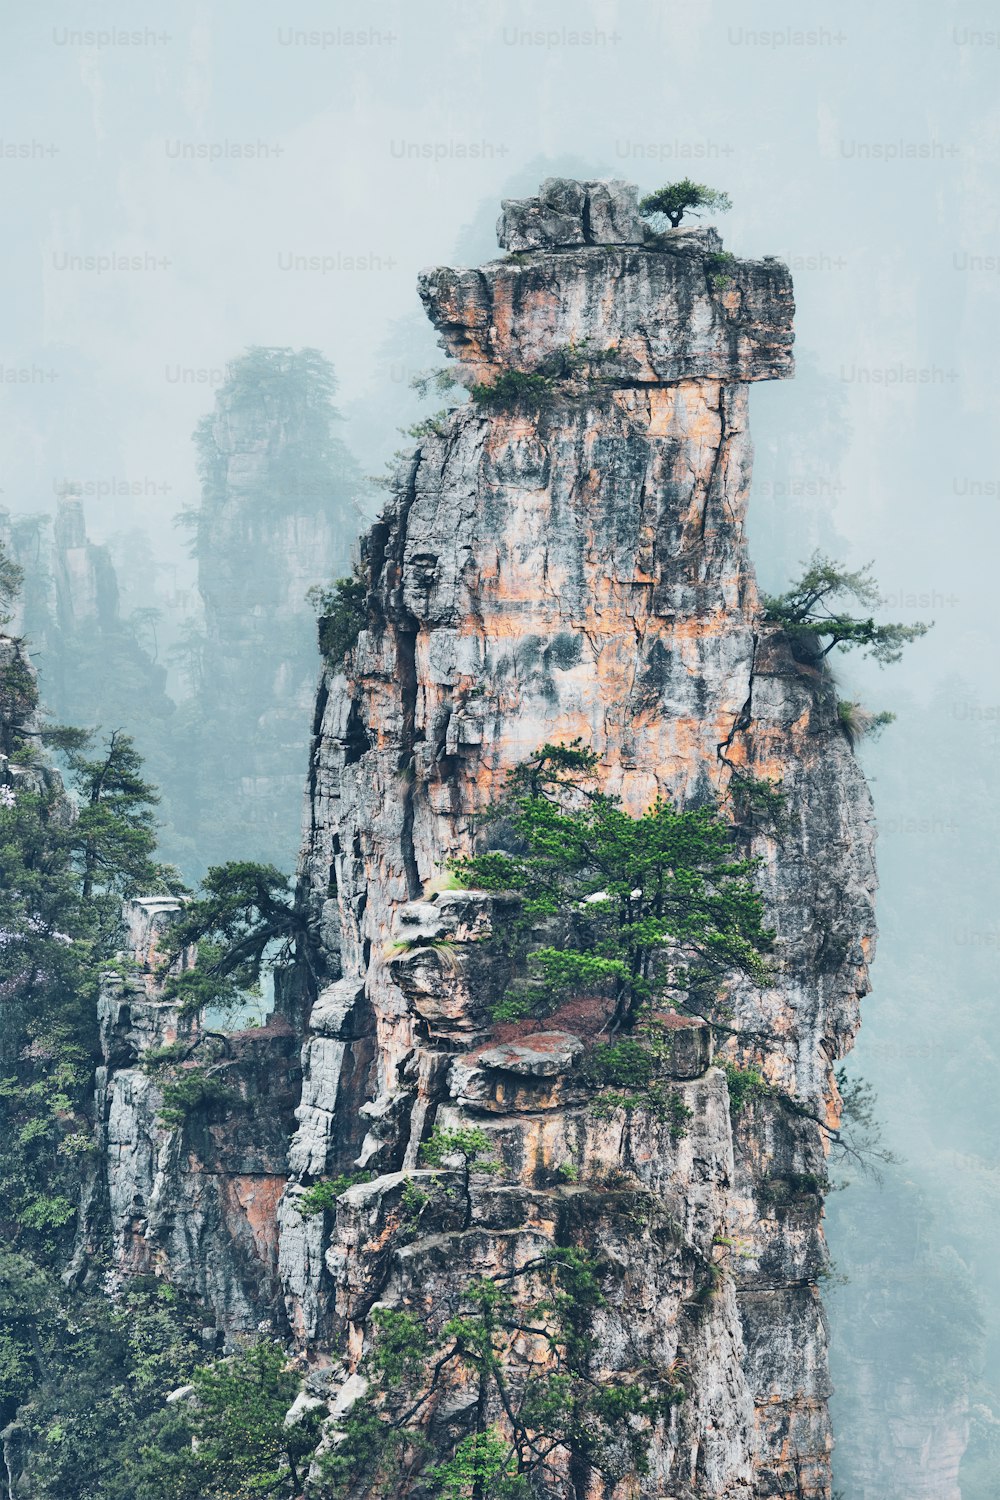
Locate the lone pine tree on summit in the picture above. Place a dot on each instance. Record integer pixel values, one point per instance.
(684, 197)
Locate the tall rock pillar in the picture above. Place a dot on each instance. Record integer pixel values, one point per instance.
(567, 559)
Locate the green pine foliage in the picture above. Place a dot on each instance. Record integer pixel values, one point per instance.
(195, 1091)
(559, 1409)
(18, 701)
(513, 388)
(79, 1375)
(341, 614)
(676, 199)
(321, 1197)
(76, 1371)
(808, 611)
(625, 1072)
(720, 268)
(471, 1146)
(859, 723)
(746, 1085)
(114, 834)
(62, 880)
(653, 909)
(758, 802)
(484, 1463)
(244, 921)
(227, 1442)
(11, 581)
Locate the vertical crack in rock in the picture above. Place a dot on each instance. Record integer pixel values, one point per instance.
(720, 455)
(406, 659)
(744, 718)
(406, 639)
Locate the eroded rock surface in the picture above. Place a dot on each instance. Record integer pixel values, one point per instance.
(571, 213)
(194, 1198)
(554, 567)
(587, 295)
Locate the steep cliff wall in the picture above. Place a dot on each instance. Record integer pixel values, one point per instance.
(188, 1193)
(553, 567)
(560, 559)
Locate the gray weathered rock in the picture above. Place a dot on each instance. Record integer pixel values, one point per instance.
(578, 567)
(569, 213)
(195, 1201)
(546, 570)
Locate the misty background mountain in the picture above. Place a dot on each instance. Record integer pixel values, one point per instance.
(883, 447)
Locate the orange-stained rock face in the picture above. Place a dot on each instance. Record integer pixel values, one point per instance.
(570, 567)
(587, 312)
(258, 1198)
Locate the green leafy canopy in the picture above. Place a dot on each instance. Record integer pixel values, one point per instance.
(11, 579)
(340, 611)
(244, 920)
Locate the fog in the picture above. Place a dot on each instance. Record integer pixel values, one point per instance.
(238, 175)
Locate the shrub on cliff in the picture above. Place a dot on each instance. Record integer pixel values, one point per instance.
(684, 197)
(557, 1412)
(340, 611)
(806, 611)
(625, 1072)
(229, 1442)
(197, 1091)
(513, 388)
(644, 909)
(859, 723)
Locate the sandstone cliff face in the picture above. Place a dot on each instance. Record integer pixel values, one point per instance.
(561, 568)
(571, 566)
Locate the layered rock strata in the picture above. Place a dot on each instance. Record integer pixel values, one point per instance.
(570, 562)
